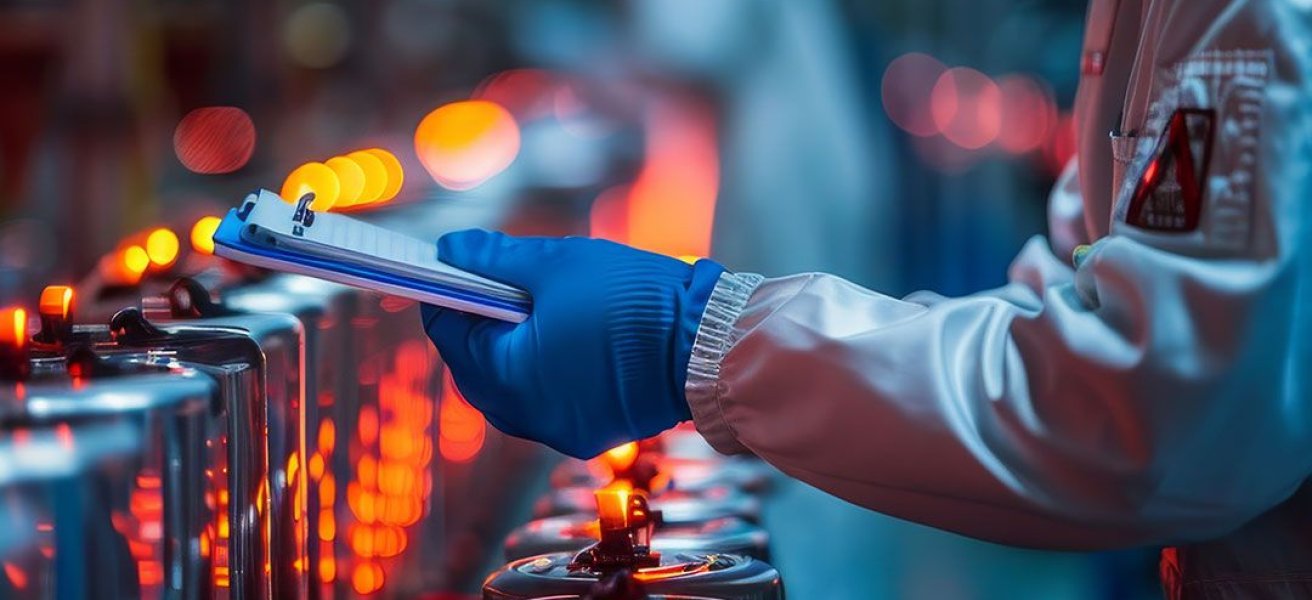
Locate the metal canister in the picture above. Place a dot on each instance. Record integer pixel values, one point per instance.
(332, 401)
(697, 575)
(101, 493)
(257, 361)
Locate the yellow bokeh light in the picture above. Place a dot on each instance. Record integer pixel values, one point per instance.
(395, 174)
(351, 178)
(375, 176)
(463, 144)
(621, 457)
(135, 259)
(162, 247)
(316, 178)
(202, 234)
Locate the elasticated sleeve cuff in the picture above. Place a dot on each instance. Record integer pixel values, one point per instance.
(716, 335)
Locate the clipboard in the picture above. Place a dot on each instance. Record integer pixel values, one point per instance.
(266, 231)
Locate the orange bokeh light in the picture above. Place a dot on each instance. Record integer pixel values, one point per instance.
(613, 507)
(135, 259)
(327, 569)
(327, 436)
(621, 457)
(367, 578)
(316, 466)
(351, 177)
(202, 234)
(395, 174)
(13, 327)
(375, 177)
(461, 428)
(57, 301)
(124, 266)
(162, 247)
(316, 178)
(463, 144)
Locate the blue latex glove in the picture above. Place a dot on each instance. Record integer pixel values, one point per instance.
(601, 361)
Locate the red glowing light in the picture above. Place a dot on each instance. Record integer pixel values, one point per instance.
(906, 87)
(215, 140)
(394, 304)
(64, 434)
(1150, 172)
(672, 203)
(461, 428)
(1028, 114)
(967, 108)
(13, 327)
(609, 218)
(523, 92)
(367, 425)
(17, 577)
(1060, 146)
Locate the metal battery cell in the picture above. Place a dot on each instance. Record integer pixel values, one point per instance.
(326, 311)
(370, 415)
(101, 487)
(698, 575)
(260, 535)
(572, 533)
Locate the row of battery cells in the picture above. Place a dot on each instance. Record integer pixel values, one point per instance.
(319, 469)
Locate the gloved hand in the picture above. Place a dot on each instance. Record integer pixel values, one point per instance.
(601, 360)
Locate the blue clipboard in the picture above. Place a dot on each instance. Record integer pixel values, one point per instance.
(229, 244)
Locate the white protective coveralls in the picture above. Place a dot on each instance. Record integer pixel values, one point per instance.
(1159, 392)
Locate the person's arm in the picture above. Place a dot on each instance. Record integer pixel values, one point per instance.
(1162, 394)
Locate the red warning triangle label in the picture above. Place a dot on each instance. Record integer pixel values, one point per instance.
(1169, 195)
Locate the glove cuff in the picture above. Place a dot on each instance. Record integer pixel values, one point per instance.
(701, 286)
(715, 335)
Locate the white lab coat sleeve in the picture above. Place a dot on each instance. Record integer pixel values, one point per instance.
(1157, 394)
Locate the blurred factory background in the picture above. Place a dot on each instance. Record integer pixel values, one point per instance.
(903, 144)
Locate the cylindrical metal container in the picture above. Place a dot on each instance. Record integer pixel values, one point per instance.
(257, 361)
(326, 312)
(718, 576)
(103, 478)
